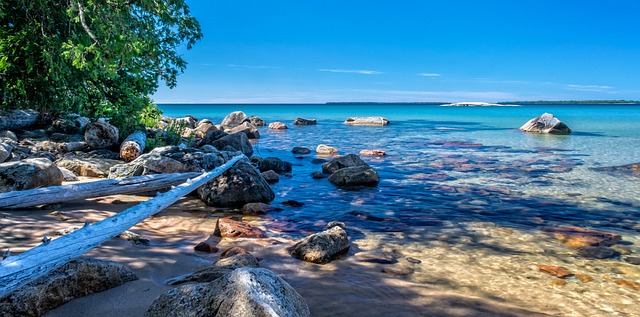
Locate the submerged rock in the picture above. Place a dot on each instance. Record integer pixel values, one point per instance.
(597, 252)
(367, 121)
(236, 187)
(350, 160)
(556, 271)
(258, 209)
(576, 237)
(546, 123)
(242, 292)
(75, 279)
(322, 247)
(28, 174)
(230, 228)
(355, 176)
(300, 150)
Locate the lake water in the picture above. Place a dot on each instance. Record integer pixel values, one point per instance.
(464, 195)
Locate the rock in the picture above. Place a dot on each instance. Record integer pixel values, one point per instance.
(68, 175)
(237, 186)
(584, 278)
(205, 246)
(546, 123)
(6, 134)
(270, 176)
(326, 150)
(101, 135)
(318, 161)
(234, 119)
(274, 164)
(376, 257)
(350, 160)
(292, 203)
(597, 252)
(242, 292)
(635, 260)
(376, 153)
(556, 271)
(238, 141)
(318, 175)
(231, 228)
(18, 119)
(75, 279)
(28, 174)
(211, 136)
(398, 269)
(188, 122)
(258, 208)
(301, 121)
(626, 170)
(70, 124)
(247, 128)
(628, 283)
(322, 247)
(578, 237)
(277, 126)
(5, 151)
(355, 176)
(91, 167)
(218, 269)
(366, 121)
(256, 121)
(232, 252)
(300, 150)
(203, 127)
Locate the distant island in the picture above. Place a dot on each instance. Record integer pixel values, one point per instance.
(572, 102)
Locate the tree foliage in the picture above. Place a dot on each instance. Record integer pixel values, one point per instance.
(95, 57)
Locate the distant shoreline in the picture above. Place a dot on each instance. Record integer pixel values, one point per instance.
(428, 103)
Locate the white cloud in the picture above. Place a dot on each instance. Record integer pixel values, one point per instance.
(353, 71)
(430, 75)
(599, 88)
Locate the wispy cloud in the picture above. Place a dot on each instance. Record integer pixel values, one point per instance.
(253, 66)
(596, 88)
(430, 75)
(353, 71)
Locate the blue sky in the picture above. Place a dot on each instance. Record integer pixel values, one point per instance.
(317, 51)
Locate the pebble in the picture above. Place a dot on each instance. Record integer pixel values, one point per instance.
(556, 271)
(584, 278)
(635, 260)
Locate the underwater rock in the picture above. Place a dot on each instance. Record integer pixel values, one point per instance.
(546, 123)
(258, 209)
(322, 247)
(556, 271)
(300, 150)
(579, 237)
(230, 228)
(635, 260)
(597, 252)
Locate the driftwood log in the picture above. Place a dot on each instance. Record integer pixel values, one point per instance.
(71, 192)
(17, 119)
(19, 270)
(133, 146)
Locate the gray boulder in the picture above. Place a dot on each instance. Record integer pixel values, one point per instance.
(238, 141)
(218, 269)
(366, 121)
(257, 121)
(247, 128)
(274, 164)
(270, 176)
(302, 121)
(350, 160)
(236, 187)
(234, 119)
(322, 247)
(75, 279)
(546, 123)
(355, 176)
(247, 292)
(28, 174)
(101, 135)
(91, 167)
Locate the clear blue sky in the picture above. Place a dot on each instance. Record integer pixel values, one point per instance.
(316, 51)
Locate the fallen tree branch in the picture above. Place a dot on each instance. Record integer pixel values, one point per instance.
(36, 262)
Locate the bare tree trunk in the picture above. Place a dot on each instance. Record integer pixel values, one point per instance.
(133, 146)
(19, 270)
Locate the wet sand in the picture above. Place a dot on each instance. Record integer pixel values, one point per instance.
(342, 288)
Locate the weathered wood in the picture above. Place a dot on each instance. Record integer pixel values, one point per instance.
(18, 270)
(133, 146)
(17, 119)
(55, 194)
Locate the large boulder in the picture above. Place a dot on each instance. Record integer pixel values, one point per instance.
(218, 269)
(236, 187)
(18, 119)
(28, 174)
(350, 160)
(238, 141)
(234, 119)
(90, 167)
(322, 247)
(355, 176)
(366, 121)
(302, 121)
(75, 279)
(247, 292)
(546, 123)
(101, 135)
(247, 128)
(274, 164)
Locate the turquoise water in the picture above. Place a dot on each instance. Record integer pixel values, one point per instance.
(452, 177)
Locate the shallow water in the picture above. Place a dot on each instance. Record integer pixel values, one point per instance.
(463, 196)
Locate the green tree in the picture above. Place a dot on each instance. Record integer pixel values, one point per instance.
(95, 57)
